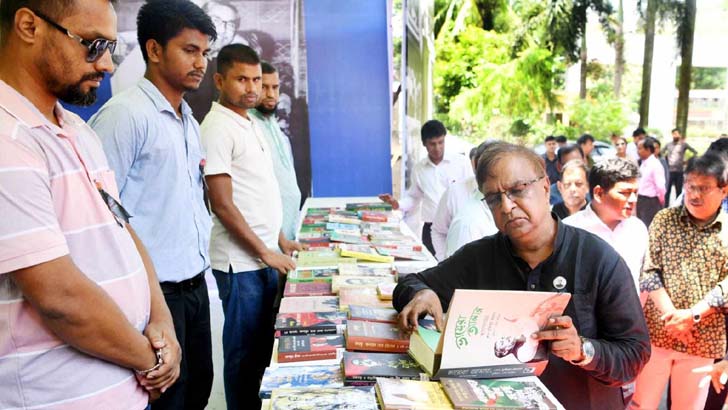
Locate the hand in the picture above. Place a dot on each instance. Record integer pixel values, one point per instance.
(162, 336)
(717, 374)
(565, 341)
(425, 301)
(278, 261)
(388, 198)
(287, 247)
(679, 324)
(154, 395)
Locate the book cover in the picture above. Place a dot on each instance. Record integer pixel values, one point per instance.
(307, 289)
(493, 394)
(362, 297)
(308, 347)
(423, 348)
(309, 304)
(345, 219)
(311, 275)
(398, 394)
(302, 323)
(371, 314)
(338, 236)
(403, 253)
(385, 291)
(375, 337)
(274, 363)
(306, 377)
(362, 369)
(375, 269)
(487, 333)
(343, 227)
(364, 253)
(369, 206)
(343, 398)
(339, 282)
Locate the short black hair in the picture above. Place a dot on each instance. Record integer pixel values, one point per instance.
(432, 129)
(163, 20)
(267, 68)
(710, 164)
(676, 129)
(568, 149)
(561, 139)
(235, 53)
(720, 145)
(606, 173)
(639, 131)
(584, 138)
(549, 139)
(649, 143)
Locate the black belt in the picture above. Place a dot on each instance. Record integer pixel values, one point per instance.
(186, 285)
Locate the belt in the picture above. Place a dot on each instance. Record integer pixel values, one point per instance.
(186, 285)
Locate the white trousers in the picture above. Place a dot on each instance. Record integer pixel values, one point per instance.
(664, 365)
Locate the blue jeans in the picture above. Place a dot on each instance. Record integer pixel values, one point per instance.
(247, 335)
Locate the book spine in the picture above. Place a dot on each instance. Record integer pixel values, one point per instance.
(377, 345)
(305, 356)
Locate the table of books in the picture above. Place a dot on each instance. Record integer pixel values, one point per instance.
(337, 344)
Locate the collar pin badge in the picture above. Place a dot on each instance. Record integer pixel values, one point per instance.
(559, 282)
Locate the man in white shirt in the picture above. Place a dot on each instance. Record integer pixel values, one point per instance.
(461, 215)
(637, 135)
(651, 193)
(609, 215)
(247, 246)
(430, 177)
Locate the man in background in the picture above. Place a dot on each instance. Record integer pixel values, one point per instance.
(586, 142)
(637, 135)
(675, 156)
(564, 154)
(652, 182)
(430, 177)
(550, 159)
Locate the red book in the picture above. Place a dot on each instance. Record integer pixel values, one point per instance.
(307, 289)
(375, 337)
(303, 348)
(304, 323)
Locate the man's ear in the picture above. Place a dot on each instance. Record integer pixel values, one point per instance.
(597, 194)
(25, 25)
(217, 78)
(154, 51)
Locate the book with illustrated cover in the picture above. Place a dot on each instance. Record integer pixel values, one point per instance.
(311, 275)
(520, 393)
(345, 219)
(362, 297)
(307, 289)
(305, 377)
(364, 253)
(321, 258)
(342, 398)
(362, 369)
(309, 304)
(343, 227)
(487, 334)
(375, 337)
(339, 282)
(399, 394)
(274, 363)
(371, 314)
(304, 323)
(375, 269)
(308, 347)
(374, 216)
(403, 253)
(339, 236)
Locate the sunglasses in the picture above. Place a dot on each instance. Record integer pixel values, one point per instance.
(96, 48)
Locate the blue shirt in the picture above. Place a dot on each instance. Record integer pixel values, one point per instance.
(156, 156)
(282, 155)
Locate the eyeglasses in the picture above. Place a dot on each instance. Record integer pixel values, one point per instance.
(96, 48)
(700, 190)
(518, 191)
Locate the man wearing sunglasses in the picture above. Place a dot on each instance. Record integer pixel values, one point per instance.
(153, 145)
(80, 306)
(601, 341)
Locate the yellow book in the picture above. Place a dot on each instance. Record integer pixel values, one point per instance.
(399, 394)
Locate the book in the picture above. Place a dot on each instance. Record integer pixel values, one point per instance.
(371, 314)
(307, 377)
(423, 349)
(311, 275)
(321, 362)
(375, 269)
(339, 282)
(487, 334)
(373, 216)
(375, 337)
(361, 296)
(364, 253)
(321, 258)
(342, 398)
(308, 347)
(303, 323)
(309, 304)
(362, 369)
(493, 394)
(339, 236)
(368, 206)
(398, 394)
(403, 253)
(349, 219)
(307, 289)
(386, 290)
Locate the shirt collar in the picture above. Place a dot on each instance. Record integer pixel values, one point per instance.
(239, 119)
(718, 220)
(445, 158)
(160, 102)
(28, 114)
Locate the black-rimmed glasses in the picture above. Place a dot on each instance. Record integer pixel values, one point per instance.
(518, 191)
(96, 48)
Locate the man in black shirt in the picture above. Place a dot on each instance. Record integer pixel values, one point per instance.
(601, 341)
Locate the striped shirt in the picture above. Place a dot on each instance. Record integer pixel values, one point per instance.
(51, 208)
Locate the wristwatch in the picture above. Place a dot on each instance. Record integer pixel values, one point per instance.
(587, 351)
(696, 316)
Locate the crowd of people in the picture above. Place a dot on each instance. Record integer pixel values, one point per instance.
(109, 227)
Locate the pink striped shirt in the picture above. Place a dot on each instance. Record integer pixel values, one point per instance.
(51, 208)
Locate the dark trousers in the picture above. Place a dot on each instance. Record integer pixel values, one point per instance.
(427, 237)
(676, 180)
(247, 335)
(647, 208)
(190, 308)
